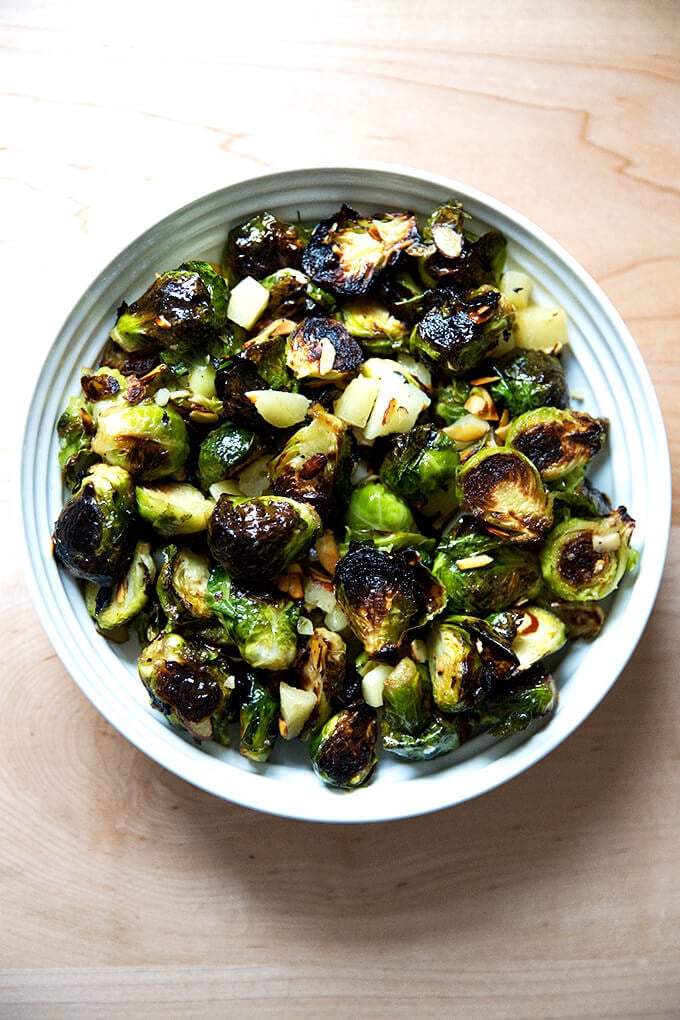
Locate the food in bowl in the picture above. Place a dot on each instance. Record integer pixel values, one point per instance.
(338, 488)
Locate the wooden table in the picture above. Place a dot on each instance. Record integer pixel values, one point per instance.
(127, 893)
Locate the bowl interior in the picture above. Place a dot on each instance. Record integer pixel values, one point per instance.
(606, 373)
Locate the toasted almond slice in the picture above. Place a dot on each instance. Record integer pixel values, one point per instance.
(473, 562)
(484, 379)
(467, 429)
(607, 543)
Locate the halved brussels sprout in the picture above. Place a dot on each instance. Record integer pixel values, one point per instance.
(181, 308)
(483, 573)
(503, 489)
(343, 753)
(258, 538)
(262, 245)
(189, 683)
(173, 508)
(419, 462)
(527, 380)
(374, 325)
(292, 295)
(268, 352)
(262, 624)
(460, 331)
(532, 695)
(321, 350)
(455, 667)
(258, 717)
(480, 259)
(94, 535)
(320, 668)
(537, 633)
(75, 429)
(557, 441)
(225, 451)
(451, 399)
(182, 586)
(314, 464)
(407, 698)
(584, 560)
(346, 251)
(385, 594)
(149, 441)
(113, 608)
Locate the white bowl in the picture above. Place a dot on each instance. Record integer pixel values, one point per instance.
(604, 367)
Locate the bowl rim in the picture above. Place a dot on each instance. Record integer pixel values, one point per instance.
(251, 791)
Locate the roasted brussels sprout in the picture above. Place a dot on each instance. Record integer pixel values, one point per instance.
(182, 586)
(320, 668)
(181, 308)
(344, 753)
(75, 429)
(292, 295)
(585, 559)
(374, 325)
(113, 608)
(378, 515)
(441, 735)
(234, 380)
(483, 572)
(532, 696)
(149, 441)
(225, 451)
(419, 462)
(412, 727)
(347, 251)
(258, 717)
(527, 380)
(173, 508)
(385, 594)
(450, 404)
(455, 664)
(262, 245)
(94, 535)
(557, 441)
(321, 350)
(189, 683)
(536, 632)
(313, 465)
(262, 624)
(461, 330)
(503, 489)
(478, 261)
(258, 538)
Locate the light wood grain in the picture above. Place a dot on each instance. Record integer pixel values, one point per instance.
(127, 893)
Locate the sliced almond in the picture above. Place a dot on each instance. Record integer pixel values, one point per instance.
(607, 543)
(327, 356)
(473, 562)
(467, 429)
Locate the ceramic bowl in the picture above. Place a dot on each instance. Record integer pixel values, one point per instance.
(604, 368)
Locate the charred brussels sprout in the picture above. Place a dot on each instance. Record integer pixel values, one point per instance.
(557, 441)
(478, 261)
(75, 429)
(419, 462)
(320, 669)
(321, 350)
(258, 717)
(532, 695)
(483, 573)
(182, 586)
(503, 489)
(374, 325)
(344, 751)
(114, 608)
(149, 441)
(455, 664)
(292, 295)
(407, 700)
(189, 683)
(262, 624)
(584, 560)
(347, 251)
(262, 245)
(385, 594)
(225, 451)
(460, 331)
(313, 465)
(258, 538)
(450, 406)
(94, 535)
(182, 308)
(527, 380)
